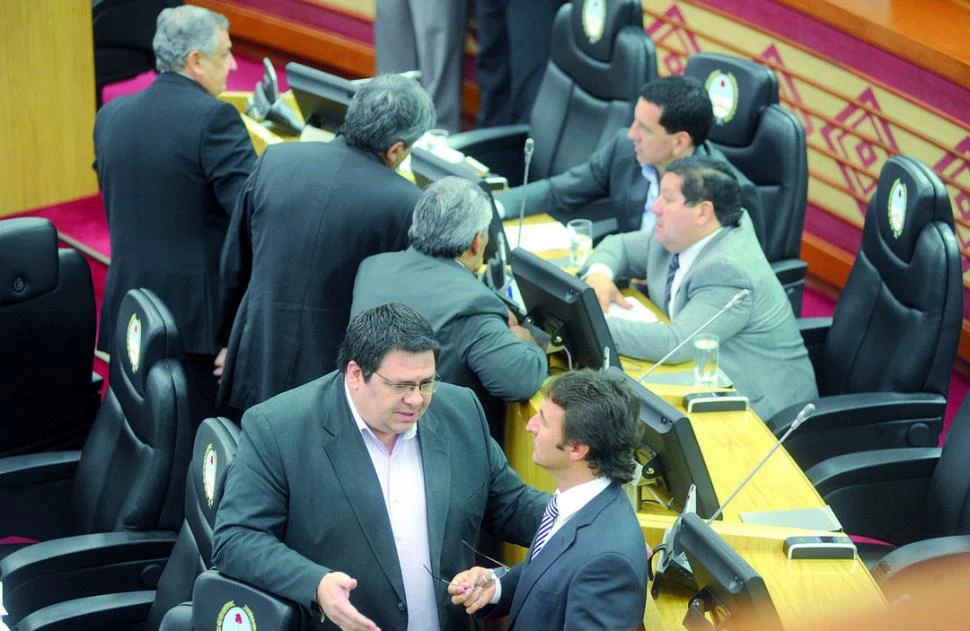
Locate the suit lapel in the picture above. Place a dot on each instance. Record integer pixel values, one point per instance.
(355, 474)
(437, 482)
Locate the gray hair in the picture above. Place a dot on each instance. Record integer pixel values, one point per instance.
(386, 109)
(447, 217)
(182, 29)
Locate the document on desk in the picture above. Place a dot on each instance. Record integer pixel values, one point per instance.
(809, 518)
(637, 313)
(539, 237)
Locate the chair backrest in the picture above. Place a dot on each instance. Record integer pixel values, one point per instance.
(218, 598)
(215, 448)
(948, 498)
(763, 140)
(47, 325)
(599, 59)
(131, 475)
(897, 324)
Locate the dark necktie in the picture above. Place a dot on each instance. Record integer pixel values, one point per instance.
(671, 272)
(545, 527)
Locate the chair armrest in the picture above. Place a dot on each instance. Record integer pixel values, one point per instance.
(34, 494)
(499, 148)
(814, 330)
(849, 423)
(213, 589)
(95, 612)
(876, 493)
(905, 569)
(86, 565)
(789, 270)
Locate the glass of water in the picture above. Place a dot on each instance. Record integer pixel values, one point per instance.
(580, 241)
(706, 350)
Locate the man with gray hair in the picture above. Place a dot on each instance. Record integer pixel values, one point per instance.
(482, 346)
(307, 217)
(171, 161)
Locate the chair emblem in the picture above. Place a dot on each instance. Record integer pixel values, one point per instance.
(723, 90)
(209, 464)
(897, 208)
(594, 19)
(233, 618)
(133, 341)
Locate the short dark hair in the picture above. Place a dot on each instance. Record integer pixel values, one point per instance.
(602, 412)
(374, 333)
(712, 180)
(685, 106)
(386, 109)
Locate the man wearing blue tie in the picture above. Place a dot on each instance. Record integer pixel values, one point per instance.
(587, 566)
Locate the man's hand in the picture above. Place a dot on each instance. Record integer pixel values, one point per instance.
(333, 596)
(606, 291)
(472, 589)
(219, 363)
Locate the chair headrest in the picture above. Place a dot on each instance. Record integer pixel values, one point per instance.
(216, 597)
(909, 196)
(595, 24)
(216, 442)
(740, 90)
(144, 334)
(28, 259)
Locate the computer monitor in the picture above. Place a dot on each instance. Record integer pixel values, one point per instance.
(323, 97)
(732, 591)
(566, 308)
(669, 453)
(498, 243)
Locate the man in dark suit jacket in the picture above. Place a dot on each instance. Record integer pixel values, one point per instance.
(310, 213)
(171, 161)
(351, 494)
(621, 180)
(587, 566)
(482, 347)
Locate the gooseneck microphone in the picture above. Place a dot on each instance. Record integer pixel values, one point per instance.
(806, 411)
(733, 302)
(530, 146)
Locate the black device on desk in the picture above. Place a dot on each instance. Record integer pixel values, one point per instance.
(715, 401)
(323, 97)
(566, 308)
(669, 454)
(820, 547)
(728, 587)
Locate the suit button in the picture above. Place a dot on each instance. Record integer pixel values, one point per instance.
(401, 607)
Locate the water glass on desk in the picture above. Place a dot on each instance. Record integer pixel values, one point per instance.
(706, 350)
(580, 241)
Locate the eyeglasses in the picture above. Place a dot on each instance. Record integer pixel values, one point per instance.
(497, 572)
(426, 388)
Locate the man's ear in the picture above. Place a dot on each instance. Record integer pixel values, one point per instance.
(395, 154)
(683, 145)
(577, 451)
(706, 212)
(478, 244)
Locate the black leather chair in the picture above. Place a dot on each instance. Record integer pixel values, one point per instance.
(215, 448)
(107, 515)
(123, 33)
(767, 143)
(918, 499)
(588, 91)
(48, 396)
(883, 361)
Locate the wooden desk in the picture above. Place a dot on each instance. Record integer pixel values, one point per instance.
(732, 444)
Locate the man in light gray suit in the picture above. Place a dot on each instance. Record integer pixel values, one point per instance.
(700, 253)
(482, 347)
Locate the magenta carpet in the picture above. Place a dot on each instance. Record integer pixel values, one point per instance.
(83, 219)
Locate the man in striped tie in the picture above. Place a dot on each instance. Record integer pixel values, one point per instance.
(587, 566)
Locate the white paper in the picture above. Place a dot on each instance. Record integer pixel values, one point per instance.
(539, 237)
(639, 312)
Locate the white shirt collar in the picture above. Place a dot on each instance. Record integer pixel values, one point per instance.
(686, 259)
(362, 424)
(570, 502)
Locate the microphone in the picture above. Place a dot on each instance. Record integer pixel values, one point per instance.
(733, 302)
(806, 411)
(530, 146)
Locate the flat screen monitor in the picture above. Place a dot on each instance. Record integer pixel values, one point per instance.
(669, 453)
(323, 97)
(566, 308)
(732, 591)
(498, 242)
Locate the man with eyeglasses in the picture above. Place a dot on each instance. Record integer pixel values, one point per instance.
(482, 345)
(587, 566)
(350, 494)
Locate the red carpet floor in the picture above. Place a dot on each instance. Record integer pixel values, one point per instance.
(84, 220)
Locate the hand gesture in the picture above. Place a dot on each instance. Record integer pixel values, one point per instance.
(606, 291)
(333, 596)
(472, 589)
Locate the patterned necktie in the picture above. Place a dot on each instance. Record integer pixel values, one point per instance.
(671, 272)
(545, 528)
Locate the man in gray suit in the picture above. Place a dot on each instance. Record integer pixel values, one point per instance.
(701, 253)
(587, 567)
(350, 494)
(482, 346)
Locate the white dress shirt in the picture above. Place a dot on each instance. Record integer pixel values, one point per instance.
(652, 177)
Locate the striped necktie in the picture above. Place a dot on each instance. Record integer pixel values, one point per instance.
(545, 527)
(671, 272)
